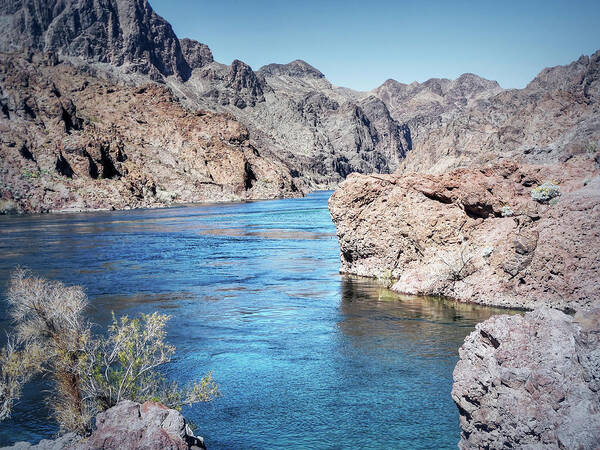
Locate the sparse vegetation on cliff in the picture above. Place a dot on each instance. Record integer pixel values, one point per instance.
(545, 192)
(90, 373)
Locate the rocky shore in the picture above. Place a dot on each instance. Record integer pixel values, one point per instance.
(477, 234)
(128, 426)
(530, 381)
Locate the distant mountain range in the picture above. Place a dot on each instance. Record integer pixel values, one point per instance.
(296, 117)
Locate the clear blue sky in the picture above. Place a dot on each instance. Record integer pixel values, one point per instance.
(360, 44)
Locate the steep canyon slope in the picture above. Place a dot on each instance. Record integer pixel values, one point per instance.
(72, 140)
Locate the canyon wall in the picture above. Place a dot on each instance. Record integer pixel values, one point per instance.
(73, 139)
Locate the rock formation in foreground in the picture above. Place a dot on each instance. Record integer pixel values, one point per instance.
(477, 234)
(129, 426)
(530, 381)
(74, 140)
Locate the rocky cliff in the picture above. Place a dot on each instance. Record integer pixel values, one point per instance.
(125, 33)
(129, 426)
(73, 139)
(530, 381)
(478, 234)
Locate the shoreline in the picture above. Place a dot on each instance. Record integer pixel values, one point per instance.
(68, 211)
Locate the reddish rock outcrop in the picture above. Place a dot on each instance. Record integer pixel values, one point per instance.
(73, 140)
(530, 381)
(476, 234)
(129, 426)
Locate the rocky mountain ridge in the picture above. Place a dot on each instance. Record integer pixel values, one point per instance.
(321, 132)
(326, 132)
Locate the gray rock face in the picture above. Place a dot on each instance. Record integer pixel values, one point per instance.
(530, 381)
(124, 33)
(129, 426)
(196, 54)
(244, 82)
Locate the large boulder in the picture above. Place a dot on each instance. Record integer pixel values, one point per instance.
(129, 426)
(477, 234)
(530, 381)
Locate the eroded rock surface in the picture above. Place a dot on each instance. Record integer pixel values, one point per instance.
(129, 426)
(126, 33)
(476, 234)
(530, 381)
(73, 140)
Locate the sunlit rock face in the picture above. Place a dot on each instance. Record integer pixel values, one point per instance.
(476, 235)
(72, 140)
(530, 381)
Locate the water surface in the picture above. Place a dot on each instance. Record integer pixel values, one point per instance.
(304, 357)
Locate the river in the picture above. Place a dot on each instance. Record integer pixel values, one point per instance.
(304, 357)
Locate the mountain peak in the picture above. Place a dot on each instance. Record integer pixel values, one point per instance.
(196, 54)
(119, 32)
(297, 68)
(584, 72)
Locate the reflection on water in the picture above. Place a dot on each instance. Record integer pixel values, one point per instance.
(304, 357)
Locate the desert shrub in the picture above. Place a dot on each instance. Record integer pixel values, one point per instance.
(123, 366)
(48, 316)
(507, 211)
(545, 192)
(90, 373)
(16, 369)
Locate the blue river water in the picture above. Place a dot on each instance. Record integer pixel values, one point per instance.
(304, 357)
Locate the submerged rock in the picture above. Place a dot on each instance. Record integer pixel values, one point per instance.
(530, 381)
(129, 425)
